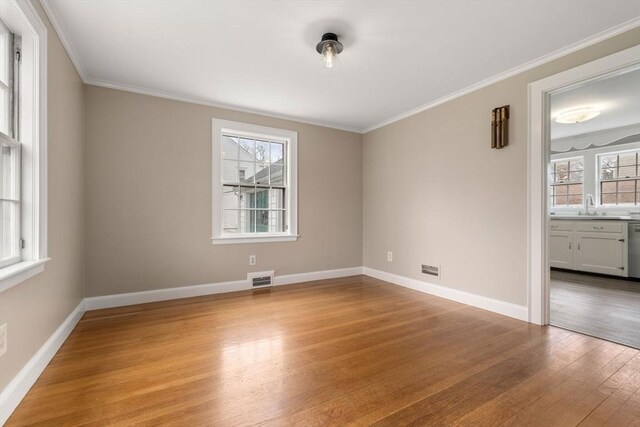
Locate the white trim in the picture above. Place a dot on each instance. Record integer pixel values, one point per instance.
(54, 18)
(596, 38)
(287, 137)
(316, 275)
(263, 238)
(501, 307)
(538, 155)
(25, 20)
(132, 298)
(15, 391)
(17, 273)
(208, 103)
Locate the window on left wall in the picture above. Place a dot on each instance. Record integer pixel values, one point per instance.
(23, 143)
(10, 148)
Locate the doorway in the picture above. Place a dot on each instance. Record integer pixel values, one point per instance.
(539, 241)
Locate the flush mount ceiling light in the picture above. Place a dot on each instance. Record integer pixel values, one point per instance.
(578, 115)
(329, 48)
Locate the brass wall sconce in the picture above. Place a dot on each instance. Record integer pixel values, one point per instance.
(500, 127)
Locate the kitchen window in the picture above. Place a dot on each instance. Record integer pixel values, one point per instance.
(619, 178)
(254, 183)
(566, 182)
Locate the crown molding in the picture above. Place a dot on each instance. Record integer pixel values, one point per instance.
(202, 101)
(574, 47)
(64, 38)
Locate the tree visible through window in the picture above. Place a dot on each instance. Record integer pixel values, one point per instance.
(566, 182)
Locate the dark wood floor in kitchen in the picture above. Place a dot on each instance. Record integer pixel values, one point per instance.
(346, 351)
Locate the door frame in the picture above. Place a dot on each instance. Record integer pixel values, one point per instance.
(538, 157)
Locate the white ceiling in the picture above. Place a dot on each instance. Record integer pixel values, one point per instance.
(617, 97)
(260, 55)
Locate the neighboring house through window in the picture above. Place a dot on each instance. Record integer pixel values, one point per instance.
(254, 180)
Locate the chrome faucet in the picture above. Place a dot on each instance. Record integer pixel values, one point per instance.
(588, 202)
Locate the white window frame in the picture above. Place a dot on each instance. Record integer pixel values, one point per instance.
(551, 183)
(22, 18)
(291, 195)
(599, 179)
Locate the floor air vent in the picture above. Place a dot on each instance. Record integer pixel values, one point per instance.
(259, 279)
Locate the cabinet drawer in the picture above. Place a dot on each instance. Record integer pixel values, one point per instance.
(600, 226)
(561, 225)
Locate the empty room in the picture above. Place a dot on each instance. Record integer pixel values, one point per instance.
(320, 213)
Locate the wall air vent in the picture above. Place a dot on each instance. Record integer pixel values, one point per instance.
(431, 270)
(260, 278)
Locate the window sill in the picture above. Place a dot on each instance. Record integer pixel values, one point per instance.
(253, 239)
(18, 273)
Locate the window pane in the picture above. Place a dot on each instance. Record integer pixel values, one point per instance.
(247, 197)
(247, 150)
(575, 189)
(9, 161)
(262, 173)
(626, 171)
(230, 221)
(277, 153)
(262, 151)
(576, 165)
(626, 198)
(627, 159)
(262, 221)
(626, 186)
(276, 198)
(230, 197)
(4, 111)
(575, 176)
(229, 147)
(561, 200)
(229, 171)
(247, 221)
(609, 199)
(608, 173)
(277, 174)
(608, 187)
(561, 190)
(276, 221)
(9, 229)
(246, 172)
(575, 199)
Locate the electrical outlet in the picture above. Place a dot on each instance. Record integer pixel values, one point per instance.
(252, 260)
(390, 256)
(3, 339)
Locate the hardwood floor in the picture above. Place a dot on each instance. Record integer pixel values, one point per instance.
(603, 307)
(351, 351)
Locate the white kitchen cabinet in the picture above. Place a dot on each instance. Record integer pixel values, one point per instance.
(603, 253)
(561, 249)
(591, 246)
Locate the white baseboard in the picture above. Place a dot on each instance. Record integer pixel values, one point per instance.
(132, 298)
(519, 312)
(15, 391)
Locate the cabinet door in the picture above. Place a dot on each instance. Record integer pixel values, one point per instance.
(561, 249)
(603, 253)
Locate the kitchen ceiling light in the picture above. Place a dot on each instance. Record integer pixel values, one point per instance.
(329, 48)
(578, 115)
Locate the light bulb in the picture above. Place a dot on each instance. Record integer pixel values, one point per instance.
(329, 55)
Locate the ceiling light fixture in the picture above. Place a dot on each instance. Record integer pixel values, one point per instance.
(578, 115)
(329, 48)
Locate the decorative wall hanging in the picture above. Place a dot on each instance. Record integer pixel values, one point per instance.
(500, 127)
